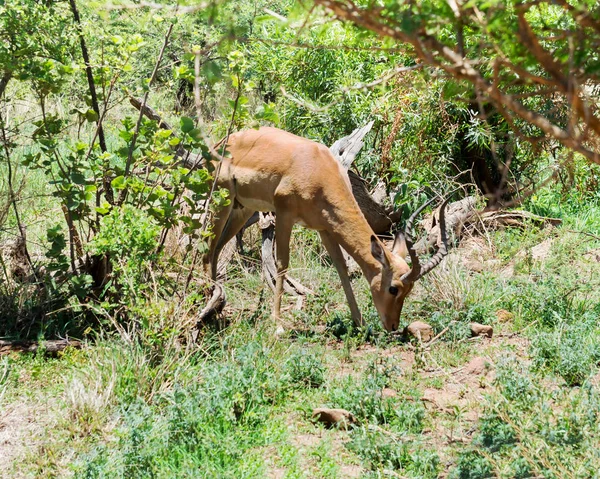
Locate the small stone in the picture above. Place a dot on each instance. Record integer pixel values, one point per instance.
(420, 330)
(504, 316)
(339, 418)
(476, 366)
(481, 330)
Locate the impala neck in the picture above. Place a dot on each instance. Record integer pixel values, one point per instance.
(354, 235)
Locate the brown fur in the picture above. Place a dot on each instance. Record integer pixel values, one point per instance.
(300, 180)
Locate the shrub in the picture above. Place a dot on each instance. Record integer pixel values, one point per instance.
(384, 451)
(209, 425)
(494, 433)
(471, 465)
(305, 369)
(572, 351)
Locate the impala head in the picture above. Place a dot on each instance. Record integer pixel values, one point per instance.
(396, 278)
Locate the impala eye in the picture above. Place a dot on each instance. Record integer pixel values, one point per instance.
(393, 290)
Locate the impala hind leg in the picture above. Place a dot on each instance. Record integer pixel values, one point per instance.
(283, 233)
(333, 248)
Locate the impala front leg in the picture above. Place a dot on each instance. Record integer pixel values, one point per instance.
(333, 248)
(283, 232)
(219, 223)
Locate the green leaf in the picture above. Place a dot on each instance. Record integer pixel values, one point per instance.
(163, 133)
(187, 124)
(91, 116)
(119, 182)
(78, 178)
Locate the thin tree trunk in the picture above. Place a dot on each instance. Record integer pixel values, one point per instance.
(4, 82)
(13, 198)
(108, 193)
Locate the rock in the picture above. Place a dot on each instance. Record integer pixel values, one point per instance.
(476, 366)
(420, 330)
(541, 251)
(504, 316)
(481, 330)
(339, 418)
(538, 252)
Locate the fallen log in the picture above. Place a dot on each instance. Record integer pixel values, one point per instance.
(52, 346)
(516, 218)
(463, 218)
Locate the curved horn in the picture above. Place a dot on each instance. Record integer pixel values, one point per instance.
(443, 249)
(415, 271)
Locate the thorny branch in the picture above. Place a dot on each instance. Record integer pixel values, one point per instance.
(434, 53)
(141, 115)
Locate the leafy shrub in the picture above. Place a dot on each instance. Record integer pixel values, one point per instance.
(515, 383)
(305, 369)
(572, 351)
(208, 425)
(471, 465)
(383, 451)
(494, 433)
(546, 302)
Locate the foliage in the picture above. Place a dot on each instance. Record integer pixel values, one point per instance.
(141, 399)
(304, 369)
(380, 451)
(474, 46)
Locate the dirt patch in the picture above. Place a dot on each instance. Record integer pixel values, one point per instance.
(593, 255)
(388, 393)
(305, 440)
(276, 473)
(351, 471)
(476, 254)
(477, 366)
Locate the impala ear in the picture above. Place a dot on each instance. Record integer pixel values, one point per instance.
(400, 247)
(378, 252)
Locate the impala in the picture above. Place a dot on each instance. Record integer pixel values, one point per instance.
(272, 170)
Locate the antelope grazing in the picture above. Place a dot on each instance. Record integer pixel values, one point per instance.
(301, 181)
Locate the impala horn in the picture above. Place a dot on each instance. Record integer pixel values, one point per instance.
(417, 271)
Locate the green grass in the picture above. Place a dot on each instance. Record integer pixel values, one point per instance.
(239, 402)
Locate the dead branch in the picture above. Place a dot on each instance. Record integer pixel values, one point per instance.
(457, 214)
(51, 346)
(464, 217)
(345, 149)
(214, 306)
(267, 225)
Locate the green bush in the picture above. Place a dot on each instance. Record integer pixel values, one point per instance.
(494, 433)
(382, 451)
(572, 350)
(209, 426)
(472, 465)
(304, 369)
